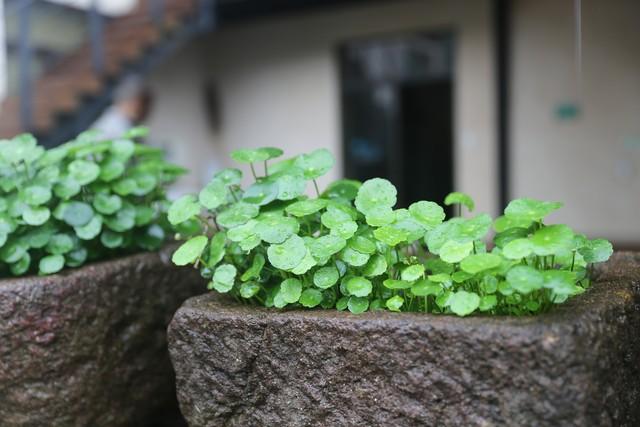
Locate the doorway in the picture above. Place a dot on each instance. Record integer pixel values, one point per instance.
(397, 99)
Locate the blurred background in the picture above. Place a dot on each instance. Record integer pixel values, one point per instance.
(496, 98)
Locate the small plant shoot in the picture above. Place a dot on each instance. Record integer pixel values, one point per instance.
(350, 247)
(85, 200)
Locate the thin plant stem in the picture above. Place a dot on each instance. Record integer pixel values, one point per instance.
(253, 171)
(315, 184)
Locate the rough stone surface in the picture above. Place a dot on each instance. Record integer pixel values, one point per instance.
(578, 365)
(87, 347)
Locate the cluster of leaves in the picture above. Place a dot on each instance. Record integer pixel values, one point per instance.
(84, 200)
(349, 248)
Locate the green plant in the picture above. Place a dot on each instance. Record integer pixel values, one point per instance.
(349, 248)
(84, 200)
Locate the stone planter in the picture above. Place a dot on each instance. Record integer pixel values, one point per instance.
(578, 365)
(87, 347)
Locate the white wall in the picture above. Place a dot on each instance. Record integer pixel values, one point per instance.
(591, 163)
(279, 85)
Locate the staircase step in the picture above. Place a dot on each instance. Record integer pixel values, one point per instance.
(61, 89)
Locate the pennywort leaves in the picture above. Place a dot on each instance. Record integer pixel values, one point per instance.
(351, 248)
(85, 200)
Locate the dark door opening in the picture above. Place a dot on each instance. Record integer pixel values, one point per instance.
(397, 113)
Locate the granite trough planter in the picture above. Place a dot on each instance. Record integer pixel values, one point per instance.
(577, 365)
(87, 347)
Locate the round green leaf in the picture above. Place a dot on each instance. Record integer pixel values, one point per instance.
(107, 204)
(77, 214)
(305, 265)
(342, 189)
(271, 152)
(375, 193)
(395, 303)
(111, 239)
(51, 264)
(224, 277)
(325, 246)
(125, 186)
(503, 238)
(424, 287)
(311, 298)
(145, 183)
(144, 215)
(474, 228)
(287, 255)
(243, 232)
(530, 209)
(428, 214)
(66, 188)
(454, 251)
(503, 223)
(276, 229)
(464, 303)
(229, 176)
(22, 266)
(518, 248)
(489, 284)
(525, 279)
(487, 302)
(362, 245)
(245, 155)
(36, 195)
(217, 249)
(412, 272)
(357, 305)
(111, 169)
(91, 229)
(334, 217)
(598, 250)
(376, 265)
(396, 284)
(213, 195)
(83, 171)
(474, 264)
(122, 149)
(315, 164)
(439, 235)
(460, 198)
(290, 186)
(345, 229)
(306, 207)
(290, 290)
(183, 209)
(390, 235)
(326, 277)
(249, 289)
(561, 282)
(36, 215)
(190, 250)
(380, 216)
(124, 219)
(237, 214)
(439, 277)
(552, 239)
(359, 286)
(261, 193)
(13, 251)
(353, 257)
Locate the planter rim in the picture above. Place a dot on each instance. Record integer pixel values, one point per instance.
(610, 289)
(163, 252)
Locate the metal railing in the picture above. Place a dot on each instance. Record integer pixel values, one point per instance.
(96, 34)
